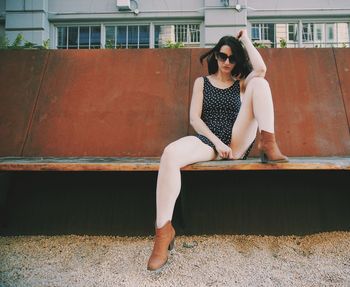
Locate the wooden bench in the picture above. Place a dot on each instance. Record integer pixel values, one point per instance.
(152, 164)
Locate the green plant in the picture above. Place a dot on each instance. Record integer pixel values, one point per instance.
(4, 42)
(259, 45)
(169, 44)
(109, 44)
(283, 43)
(46, 44)
(28, 45)
(344, 45)
(18, 43)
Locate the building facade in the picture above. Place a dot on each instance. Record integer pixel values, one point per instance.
(81, 24)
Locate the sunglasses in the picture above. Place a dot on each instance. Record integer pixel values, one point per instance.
(223, 57)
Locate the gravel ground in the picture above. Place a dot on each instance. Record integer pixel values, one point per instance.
(217, 260)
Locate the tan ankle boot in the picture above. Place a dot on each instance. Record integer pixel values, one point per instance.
(269, 151)
(163, 241)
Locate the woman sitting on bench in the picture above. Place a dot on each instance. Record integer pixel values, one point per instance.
(226, 127)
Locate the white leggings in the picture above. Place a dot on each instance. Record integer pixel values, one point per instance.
(256, 111)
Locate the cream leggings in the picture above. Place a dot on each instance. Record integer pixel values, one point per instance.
(256, 112)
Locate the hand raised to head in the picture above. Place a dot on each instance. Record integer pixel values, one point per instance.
(242, 34)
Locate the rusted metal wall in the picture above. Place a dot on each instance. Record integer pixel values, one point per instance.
(110, 103)
(309, 107)
(21, 73)
(135, 102)
(342, 57)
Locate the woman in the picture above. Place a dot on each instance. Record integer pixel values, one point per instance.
(226, 127)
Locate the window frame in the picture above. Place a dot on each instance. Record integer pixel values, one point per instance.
(263, 30)
(127, 34)
(67, 26)
(188, 41)
(339, 33)
(150, 24)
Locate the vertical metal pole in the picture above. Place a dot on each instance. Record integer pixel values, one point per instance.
(151, 35)
(78, 42)
(67, 30)
(300, 34)
(348, 45)
(115, 36)
(103, 36)
(89, 37)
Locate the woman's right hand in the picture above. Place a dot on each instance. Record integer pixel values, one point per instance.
(242, 35)
(223, 150)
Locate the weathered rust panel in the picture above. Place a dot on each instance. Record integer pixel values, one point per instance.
(309, 111)
(92, 102)
(342, 57)
(111, 103)
(21, 73)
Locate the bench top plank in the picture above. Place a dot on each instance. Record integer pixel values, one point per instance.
(152, 164)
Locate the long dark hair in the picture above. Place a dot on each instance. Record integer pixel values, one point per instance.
(242, 67)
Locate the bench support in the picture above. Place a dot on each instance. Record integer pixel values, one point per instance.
(5, 183)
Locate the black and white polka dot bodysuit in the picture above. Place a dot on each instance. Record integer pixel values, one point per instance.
(220, 110)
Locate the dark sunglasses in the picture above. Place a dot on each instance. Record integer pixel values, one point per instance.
(223, 57)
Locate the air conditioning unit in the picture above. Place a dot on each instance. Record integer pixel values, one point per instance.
(123, 4)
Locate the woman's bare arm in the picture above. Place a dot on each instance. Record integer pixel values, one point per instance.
(196, 112)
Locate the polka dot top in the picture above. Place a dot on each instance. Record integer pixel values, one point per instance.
(220, 110)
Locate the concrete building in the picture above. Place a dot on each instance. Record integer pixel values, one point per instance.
(81, 24)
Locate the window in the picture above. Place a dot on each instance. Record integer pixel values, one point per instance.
(84, 37)
(133, 36)
(343, 33)
(128, 36)
(144, 40)
(95, 37)
(264, 34)
(188, 34)
(293, 32)
(330, 32)
(308, 32)
(72, 37)
(318, 35)
(121, 36)
(325, 35)
(180, 33)
(79, 37)
(322, 35)
(125, 36)
(2, 30)
(194, 31)
(62, 37)
(255, 32)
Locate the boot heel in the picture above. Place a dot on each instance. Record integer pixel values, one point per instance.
(171, 245)
(263, 157)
